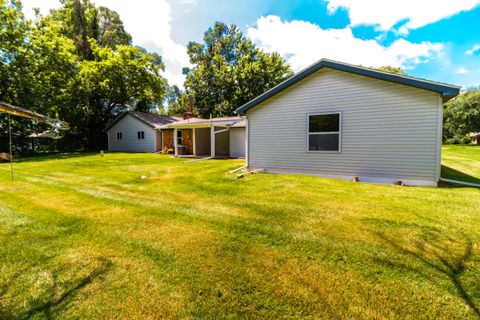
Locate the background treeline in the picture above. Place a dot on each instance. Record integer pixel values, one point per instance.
(462, 117)
(78, 64)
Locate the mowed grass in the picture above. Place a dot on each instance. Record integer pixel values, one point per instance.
(86, 237)
(461, 163)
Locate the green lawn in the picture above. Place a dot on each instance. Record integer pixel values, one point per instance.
(461, 163)
(86, 237)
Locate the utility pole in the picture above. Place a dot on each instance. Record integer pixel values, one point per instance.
(10, 144)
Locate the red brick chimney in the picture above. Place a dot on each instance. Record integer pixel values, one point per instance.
(189, 114)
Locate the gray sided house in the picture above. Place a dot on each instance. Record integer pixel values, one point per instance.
(137, 132)
(338, 120)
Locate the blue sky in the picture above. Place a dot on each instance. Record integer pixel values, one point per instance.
(433, 39)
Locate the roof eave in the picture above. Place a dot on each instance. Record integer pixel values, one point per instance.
(199, 125)
(120, 117)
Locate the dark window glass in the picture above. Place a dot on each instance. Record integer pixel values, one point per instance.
(141, 135)
(179, 137)
(119, 136)
(323, 142)
(324, 123)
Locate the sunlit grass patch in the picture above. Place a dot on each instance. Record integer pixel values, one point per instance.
(143, 236)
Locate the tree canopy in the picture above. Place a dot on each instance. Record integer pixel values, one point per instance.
(390, 69)
(229, 71)
(77, 64)
(462, 115)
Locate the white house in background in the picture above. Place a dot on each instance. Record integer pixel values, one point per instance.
(137, 132)
(146, 132)
(338, 120)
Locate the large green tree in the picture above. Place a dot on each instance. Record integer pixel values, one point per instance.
(36, 67)
(229, 71)
(176, 101)
(14, 32)
(76, 64)
(81, 21)
(114, 81)
(462, 115)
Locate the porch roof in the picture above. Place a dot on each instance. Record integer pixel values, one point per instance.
(205, 123)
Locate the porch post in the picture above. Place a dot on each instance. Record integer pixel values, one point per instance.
(194, 145)
(212, 141)
(161, 137)
(175, 146)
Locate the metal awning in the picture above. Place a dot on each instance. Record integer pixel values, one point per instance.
(25, 113)
(11, 110)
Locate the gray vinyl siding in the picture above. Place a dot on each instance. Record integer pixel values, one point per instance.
(388, 130)
(129, 126)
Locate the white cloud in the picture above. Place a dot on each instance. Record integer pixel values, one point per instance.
(149, 23)
(413, 13)
(475, 49)
(192, 3)
(303, 43)
(462, 70)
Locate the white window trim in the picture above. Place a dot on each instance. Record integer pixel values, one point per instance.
(340, 119)
(139, 135)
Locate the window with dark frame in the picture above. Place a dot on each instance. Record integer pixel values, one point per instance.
(324, 132)
(119, 135)
(141, 135)
(179, 137)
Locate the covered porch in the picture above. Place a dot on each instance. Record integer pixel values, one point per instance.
(207, 141)
(202, 137)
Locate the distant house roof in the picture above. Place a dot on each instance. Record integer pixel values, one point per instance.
(155, 121)
(446, 90)
(198, 122)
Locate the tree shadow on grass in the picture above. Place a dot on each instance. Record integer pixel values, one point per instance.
(450, 173)
(54, 300)
(435, 250)
(53, 156)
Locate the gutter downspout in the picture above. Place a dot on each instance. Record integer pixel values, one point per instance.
(247, 137)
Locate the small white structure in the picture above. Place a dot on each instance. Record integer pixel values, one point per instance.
(338, 120)
(137, 132)
(217, 137)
